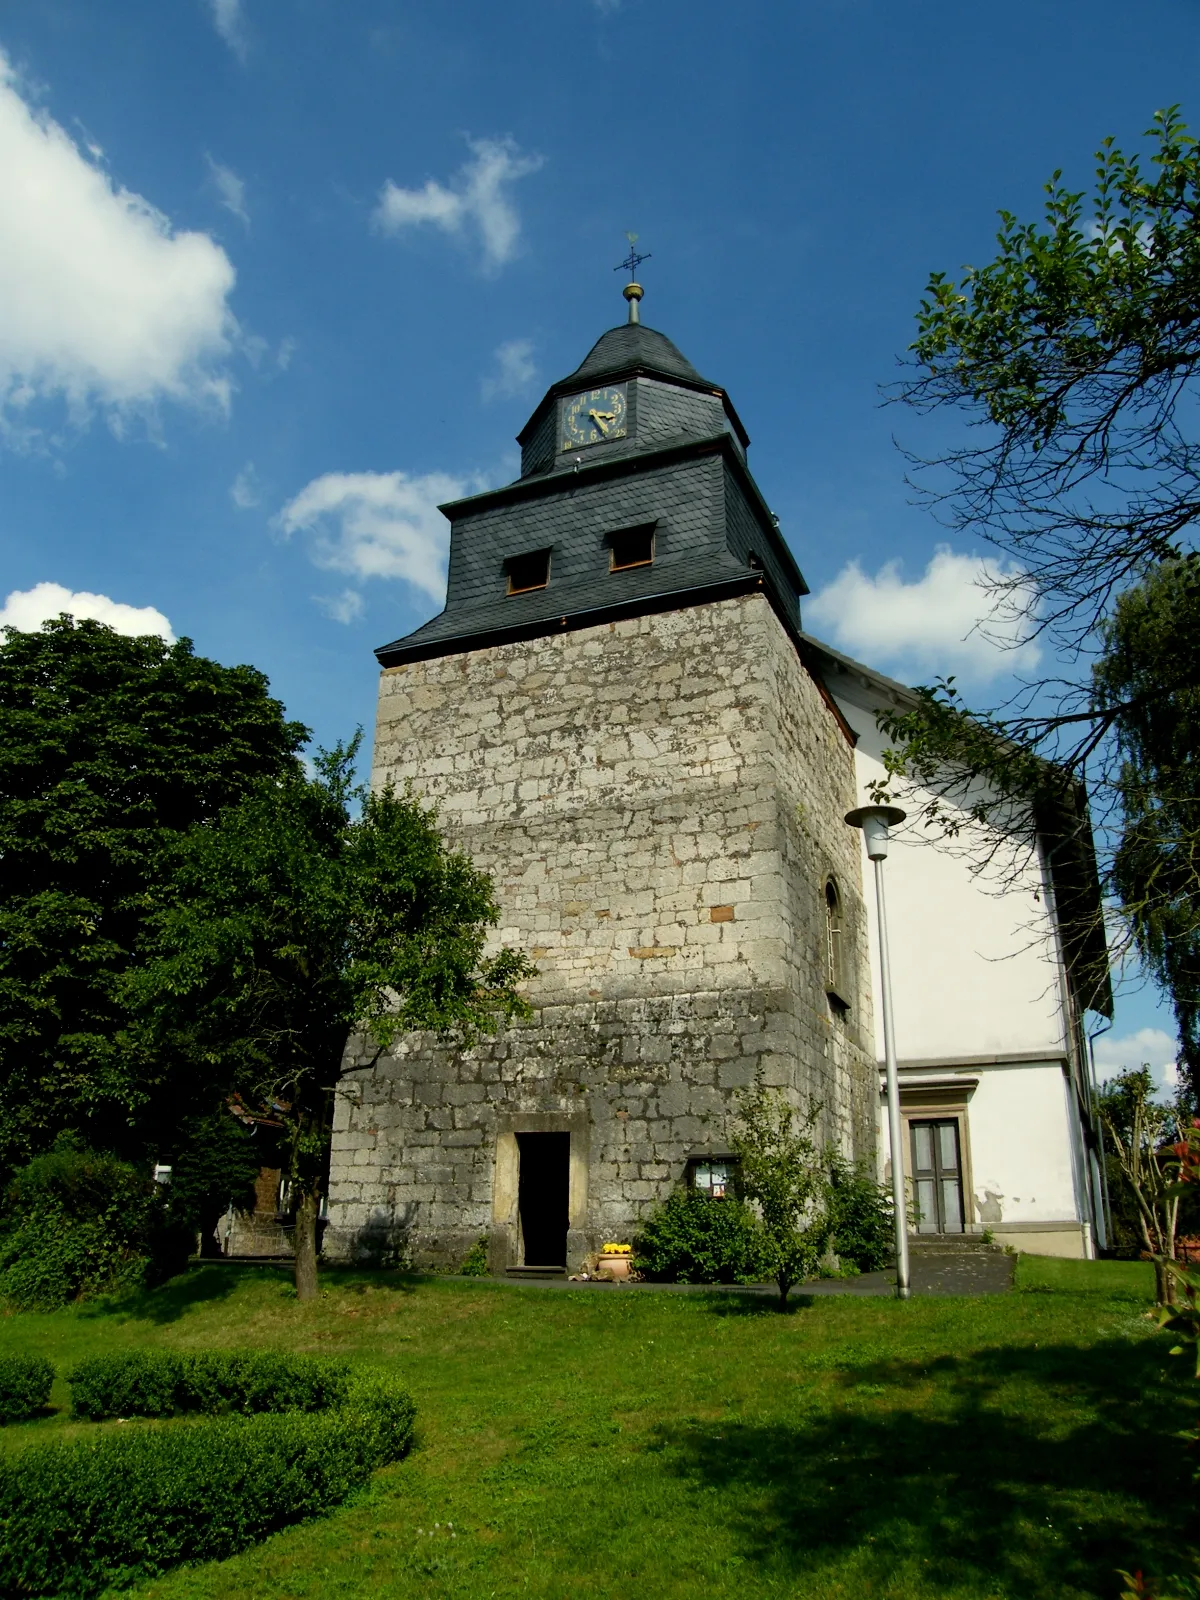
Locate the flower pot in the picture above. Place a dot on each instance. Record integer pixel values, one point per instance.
(614, 1266)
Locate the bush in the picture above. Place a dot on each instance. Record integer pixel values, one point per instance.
(76, 1223)
(76, 1518)
(859, 1210)
(153, 1383)
(24, 1386)
(475, 1262)
(695, 1238)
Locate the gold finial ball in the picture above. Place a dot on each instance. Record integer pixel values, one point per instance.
(632, 291)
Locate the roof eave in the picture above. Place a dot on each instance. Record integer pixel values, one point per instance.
(892, 688)
(399, 652)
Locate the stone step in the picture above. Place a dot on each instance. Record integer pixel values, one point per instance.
(535, 1272)
(951, 1244)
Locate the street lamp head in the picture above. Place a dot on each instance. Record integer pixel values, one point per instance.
(875, 822)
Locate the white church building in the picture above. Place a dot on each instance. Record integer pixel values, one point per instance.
(997, 1090)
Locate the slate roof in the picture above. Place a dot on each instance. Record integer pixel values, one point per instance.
(631, 348)
(633, 344)
(662, 586)
(682, 471)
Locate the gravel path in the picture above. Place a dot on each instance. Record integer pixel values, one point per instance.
(933, 1272)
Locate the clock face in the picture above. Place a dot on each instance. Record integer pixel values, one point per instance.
(592, 417)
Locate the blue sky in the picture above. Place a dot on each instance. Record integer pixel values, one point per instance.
(278, 275)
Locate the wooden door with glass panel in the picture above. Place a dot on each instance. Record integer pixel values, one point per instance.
(937, 1175)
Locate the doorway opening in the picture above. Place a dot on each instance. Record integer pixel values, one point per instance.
(543, 1197)
(937, 1175)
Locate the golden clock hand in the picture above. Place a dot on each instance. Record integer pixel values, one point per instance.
(596, 417)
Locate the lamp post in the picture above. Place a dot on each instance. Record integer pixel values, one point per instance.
(875, 822)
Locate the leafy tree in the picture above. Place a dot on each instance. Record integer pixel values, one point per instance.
(783, 1174)
(1179, 1314)
(1143, 1135)
(292, 925)
(1075, 353)
(110, 748)
(1152, 643)
(1077, 350)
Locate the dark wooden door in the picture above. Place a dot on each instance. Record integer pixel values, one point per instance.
(937, 1175)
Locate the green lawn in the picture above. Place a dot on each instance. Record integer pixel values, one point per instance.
(617, 1443)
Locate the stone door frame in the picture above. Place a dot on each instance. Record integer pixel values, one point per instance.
(947, 1102)
(503, 1244)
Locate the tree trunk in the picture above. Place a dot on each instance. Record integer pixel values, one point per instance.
(1164, 1282)
(305, 1245)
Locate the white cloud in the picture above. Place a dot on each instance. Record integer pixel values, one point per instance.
(514, 369)
(377, 525)
(28, 609)
(478, 196)
(100, 301)
(230, 188)
(1152, 1047)
(244, 491)
(227, 19)
(944, 622)
(345, 607)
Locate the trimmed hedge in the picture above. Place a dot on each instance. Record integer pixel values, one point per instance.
(153, 1383)
(76, 1518)
(24, 1386)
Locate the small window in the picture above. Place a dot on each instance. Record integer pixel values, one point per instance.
(714, 1177)
(835, 981)
(527, 572)
(632, 547)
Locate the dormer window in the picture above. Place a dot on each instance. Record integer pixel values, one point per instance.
(631, 547)
(530, 571)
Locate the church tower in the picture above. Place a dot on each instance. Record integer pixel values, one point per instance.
(617, 718)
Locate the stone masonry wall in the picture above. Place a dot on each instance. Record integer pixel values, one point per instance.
(660, 803)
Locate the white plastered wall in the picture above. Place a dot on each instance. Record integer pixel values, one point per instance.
(1020, 1145)
(974, 970)
(977, 984)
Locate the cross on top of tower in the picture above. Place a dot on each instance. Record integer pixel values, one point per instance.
(632, 291)
(633, 260)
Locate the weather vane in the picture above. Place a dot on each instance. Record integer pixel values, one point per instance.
(632, 290)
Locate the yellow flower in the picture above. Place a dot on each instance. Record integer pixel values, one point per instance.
(616, 1249)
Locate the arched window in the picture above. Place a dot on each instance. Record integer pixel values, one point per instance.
(834, 942)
